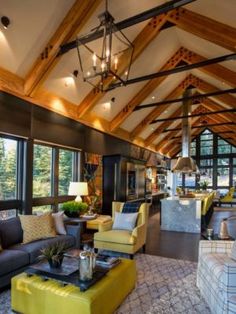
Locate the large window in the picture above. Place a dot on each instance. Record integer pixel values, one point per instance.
(223, 147)
(206, 143)
(42, 171)
(216, 159)
(53, 170)
(223, 177)
(8, 169)
(65, 170)
(190, 180)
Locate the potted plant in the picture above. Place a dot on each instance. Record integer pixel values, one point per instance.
(54, 254)
(204, 185)
(73, 209)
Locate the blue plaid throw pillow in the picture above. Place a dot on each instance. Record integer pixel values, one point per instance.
(130, 208)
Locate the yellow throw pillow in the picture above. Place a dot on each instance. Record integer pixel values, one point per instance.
(37, 227)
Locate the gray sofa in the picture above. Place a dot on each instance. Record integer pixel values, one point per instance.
(15, 257)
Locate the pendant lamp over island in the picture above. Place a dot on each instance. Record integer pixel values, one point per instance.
(185, 164)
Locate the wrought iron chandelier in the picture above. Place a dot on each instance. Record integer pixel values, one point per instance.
(104, 59)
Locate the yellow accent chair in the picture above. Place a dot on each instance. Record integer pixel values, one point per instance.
(228, 198)
(123, 241)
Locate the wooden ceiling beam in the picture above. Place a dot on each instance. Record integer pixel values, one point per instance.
(204, 27)
(173, 133)
(144, 93)
(165, 140)
(173, 149)
(206, 87)
(211, 105)
(10, 82)
(150, 31)
(177, 92)
(73, 22)
(162, 127)
(217, 71)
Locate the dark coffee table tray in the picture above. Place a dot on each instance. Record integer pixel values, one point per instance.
(72, 278)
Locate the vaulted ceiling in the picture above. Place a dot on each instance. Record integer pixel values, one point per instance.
(204, 29)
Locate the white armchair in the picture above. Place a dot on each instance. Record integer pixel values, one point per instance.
(216, 276)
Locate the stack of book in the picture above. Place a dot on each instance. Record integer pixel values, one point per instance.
(106, 261)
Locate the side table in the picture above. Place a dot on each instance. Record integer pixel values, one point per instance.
(214, 237)
(80, 226)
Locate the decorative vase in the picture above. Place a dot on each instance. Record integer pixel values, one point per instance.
(72, 214)
(56, 263)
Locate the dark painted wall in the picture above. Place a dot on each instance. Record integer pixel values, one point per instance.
(21, 118)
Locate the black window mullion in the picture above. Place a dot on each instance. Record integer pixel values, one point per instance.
(55, 176)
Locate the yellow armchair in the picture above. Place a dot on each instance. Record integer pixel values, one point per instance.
(122, 240)
(228, 198)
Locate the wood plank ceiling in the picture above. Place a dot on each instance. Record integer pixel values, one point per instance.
(194, 34)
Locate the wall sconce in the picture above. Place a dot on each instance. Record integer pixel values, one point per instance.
(5, 22)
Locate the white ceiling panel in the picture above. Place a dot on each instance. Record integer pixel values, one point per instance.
(32, 24)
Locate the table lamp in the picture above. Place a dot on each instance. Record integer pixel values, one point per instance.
(78, 189)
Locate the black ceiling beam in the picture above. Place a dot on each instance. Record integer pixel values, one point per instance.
(194, 115)
(193, 97)
(200, 126)
(178, 69)
(146, 15)
(223, 132)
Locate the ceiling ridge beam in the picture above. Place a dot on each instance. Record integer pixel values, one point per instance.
(143, 39)
(72, 23)
(144, 92)
(204, 27)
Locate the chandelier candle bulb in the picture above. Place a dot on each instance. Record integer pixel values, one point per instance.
(94, 60)
(116, 63)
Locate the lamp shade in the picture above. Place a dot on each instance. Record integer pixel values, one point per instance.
(78, 188)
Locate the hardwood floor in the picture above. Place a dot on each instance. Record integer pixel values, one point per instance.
(181, 245)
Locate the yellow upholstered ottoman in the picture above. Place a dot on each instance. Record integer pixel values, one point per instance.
(33, 295)
(94, 223)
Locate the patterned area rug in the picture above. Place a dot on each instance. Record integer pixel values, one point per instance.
(165, 286)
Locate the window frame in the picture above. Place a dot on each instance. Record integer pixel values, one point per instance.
(55, 199)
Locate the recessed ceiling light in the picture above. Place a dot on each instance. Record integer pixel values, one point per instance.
(166, 111)
(75, 73)
(153, 97)
(5, 21)
(68, 81)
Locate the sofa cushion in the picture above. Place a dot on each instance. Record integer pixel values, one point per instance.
(213, 263)
(33, 248)
(10, 260)
(116, 236)
(10, 232)
(37, 227)
(58, 219)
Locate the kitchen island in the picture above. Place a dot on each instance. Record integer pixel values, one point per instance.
(181, 214)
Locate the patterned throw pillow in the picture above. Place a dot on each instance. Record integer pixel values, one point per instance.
(131, 207)
(37, 227)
